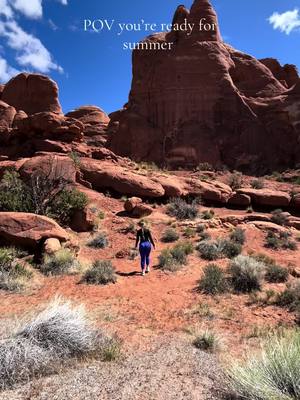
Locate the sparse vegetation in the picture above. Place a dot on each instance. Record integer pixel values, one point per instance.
(60, 263)
(100, 241)
(207, 341)
(13, 275)
(14, 194)
(258, 183)
(101, 273)
(209, 250)
(205, 166)
(208, 214)
(181, 209)
(189, 232)
(276, 274)
(238, 236)
(272, 374)
(246, 274)
(172, 259)
(290, 297)
(280, 240)
(235, 180)
(229, 248)
(213, 281)
(66, 203)
(279, 217)
(170, 235)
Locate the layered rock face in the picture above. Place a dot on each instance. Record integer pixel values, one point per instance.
(204, 101)
(31, 120)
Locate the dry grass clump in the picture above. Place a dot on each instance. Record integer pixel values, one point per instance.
(246, 273)
(99, 242)
(13, 274)
(62, 262)
(213, 281)
(272, 374)
(170, 235)
(102, 272)
(42, 343)
(172, 259)
(181, 209)
(208, 341)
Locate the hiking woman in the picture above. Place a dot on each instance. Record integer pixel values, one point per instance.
(144, 237)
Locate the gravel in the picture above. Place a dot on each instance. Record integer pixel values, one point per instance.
(170, 369)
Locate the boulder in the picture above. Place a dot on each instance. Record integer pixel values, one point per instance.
(269, 226)
(173, 186)
(7, 115)
(32, 93)
(141, 210)
(28, 230)
(216, 192)
(239, 199)
(131, 203)
(51, 246)
(51, 166)
(83, 220)
(106, 175)
(89, 115)
(287, 73)
(267, 197)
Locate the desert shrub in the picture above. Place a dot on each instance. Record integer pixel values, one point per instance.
(246, 274)
(276, 274)
(229, 248)
(207, 341)
(101, 273)
(272, 374)
(58, 332)
(278, 217)
(181, 209)
(213, 281)
(13, 275)
(290, 297)
(66, 203)
(208, 214)
(209, 250)
(235, 180)
(99, 242)
(238, 236)
(205, 166)
(200, 228)
(111, 349)
(258, 183)
(280, 241)
(75, 157)
(189, 232)
(170, 235)
(172, 259)
(204, 236)
(263, 258)
(14, 194)
(61, 262)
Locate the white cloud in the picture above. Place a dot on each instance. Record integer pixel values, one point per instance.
(30, 50)
(286, 22)
(6, 71)
(5, 9)
(30, 8)
(64, 2)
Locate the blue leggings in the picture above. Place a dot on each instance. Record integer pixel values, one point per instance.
(145, 250)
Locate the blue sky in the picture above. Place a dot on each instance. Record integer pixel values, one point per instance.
(48, 36)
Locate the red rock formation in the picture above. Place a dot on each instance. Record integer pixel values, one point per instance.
(287, 74)
(32, 93)
(204, 101)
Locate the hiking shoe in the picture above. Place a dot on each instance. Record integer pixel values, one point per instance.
(143, 273)
(147, 270)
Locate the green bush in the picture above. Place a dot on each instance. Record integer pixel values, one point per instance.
(189, 232)
(61, 262)
(99, 242)
(273, 374)
(209, 250)
(207, 341)
(13, 275)
(279, 218)
(204, 236)
(200, 228)
(290, 297)
(213, 281)
(14, 194)
(276, 274)
(229, 248)
(170, 235)
(258, 183)
(66, 203)
(238, 236)
(246, 274)
(172, 259)
(101, 273)
(208, 214)
(181, 209)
